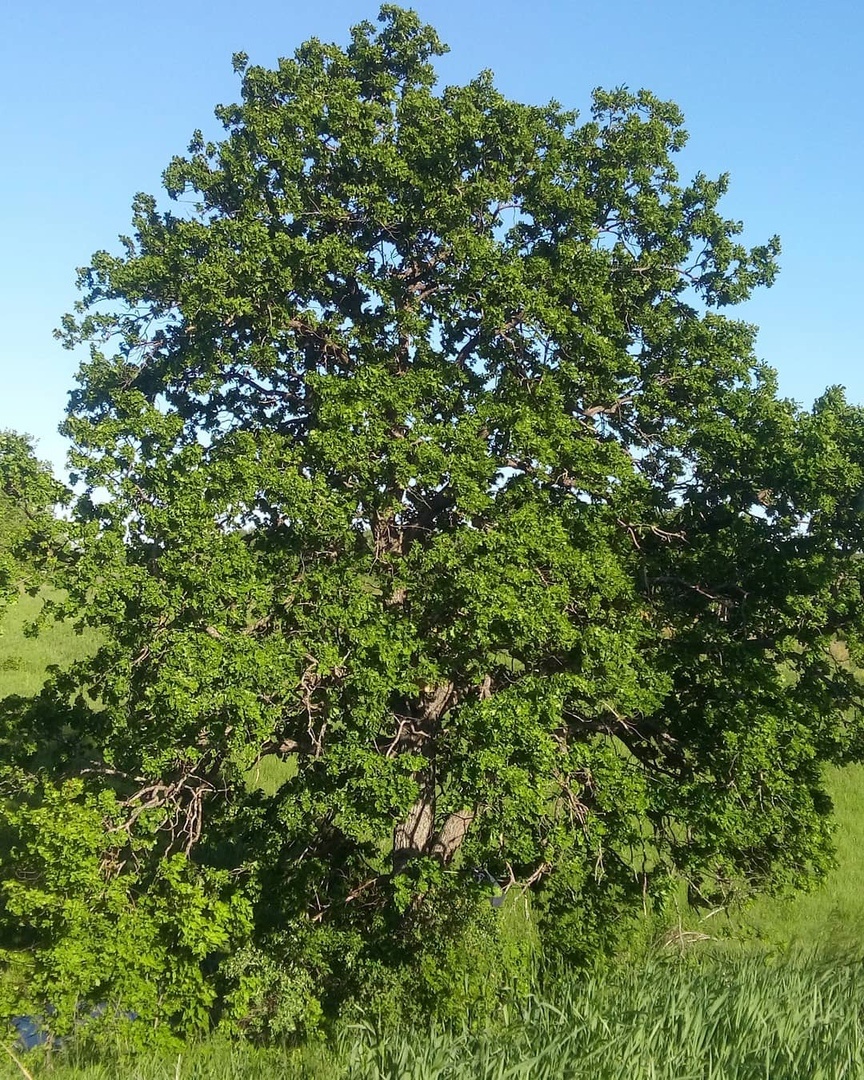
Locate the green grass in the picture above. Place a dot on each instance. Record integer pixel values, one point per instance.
(831, 917)
(24, 661)
(748, 1018)
(270, 774)
(214, 1060)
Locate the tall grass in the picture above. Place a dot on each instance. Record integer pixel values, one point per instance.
(750, 1018)
(668, 1021)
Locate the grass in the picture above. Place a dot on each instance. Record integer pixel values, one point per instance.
(748, 1018)
(24, 661)
(270, 774)
(831, 917)
(214, 1060)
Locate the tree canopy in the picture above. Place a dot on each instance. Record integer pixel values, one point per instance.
(422, 457)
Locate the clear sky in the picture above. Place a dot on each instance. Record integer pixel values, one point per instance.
(98, 95)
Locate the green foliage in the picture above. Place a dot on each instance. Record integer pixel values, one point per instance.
(829, 915)
(717, 1020)
(461, 964)
(420, 450)
(267, 999)
(28, 530)
(75, 929)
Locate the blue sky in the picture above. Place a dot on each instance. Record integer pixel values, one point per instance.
(98, 95)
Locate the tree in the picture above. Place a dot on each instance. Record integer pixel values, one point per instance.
(28, 495)
(432, 466)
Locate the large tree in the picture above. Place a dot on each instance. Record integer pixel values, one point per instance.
(428, 462)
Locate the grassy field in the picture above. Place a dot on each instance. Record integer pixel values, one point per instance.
(828, 919)
(787, 1003)
(832, 916)
(24, 661)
